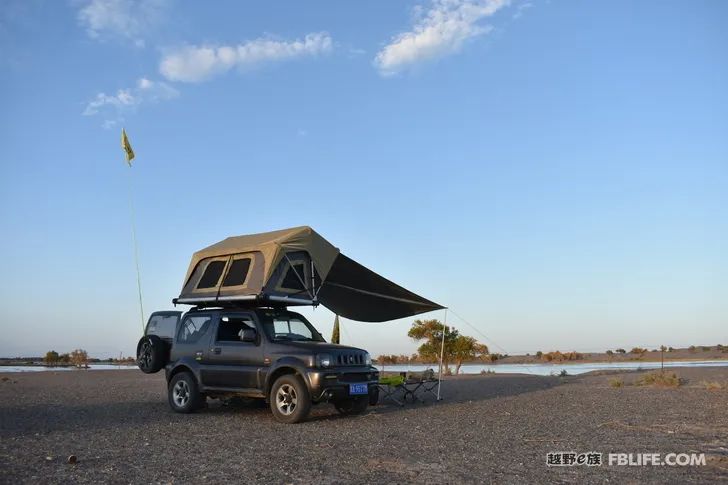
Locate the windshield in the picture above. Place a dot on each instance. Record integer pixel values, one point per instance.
(280, 326)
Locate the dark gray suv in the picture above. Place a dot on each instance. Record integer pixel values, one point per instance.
(267, 353)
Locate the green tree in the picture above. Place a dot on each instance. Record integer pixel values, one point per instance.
(335, 338)
(79, 358)
(431, 331)
(466, 348)
(51, 358)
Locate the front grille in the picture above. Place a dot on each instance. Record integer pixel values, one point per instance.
(350, 359)
(355, 377)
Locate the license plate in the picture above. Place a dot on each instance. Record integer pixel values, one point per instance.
(358, 389)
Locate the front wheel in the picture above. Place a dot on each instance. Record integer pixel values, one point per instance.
(290, 401)
(356, 405)
(184, 395)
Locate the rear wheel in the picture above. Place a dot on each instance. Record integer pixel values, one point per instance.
(290, 401)
(184, 395)
(151, 354)
(355, 405)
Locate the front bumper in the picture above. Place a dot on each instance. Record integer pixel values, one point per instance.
(333, 383)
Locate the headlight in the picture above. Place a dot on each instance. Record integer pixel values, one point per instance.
(367, 359)
(323, 360)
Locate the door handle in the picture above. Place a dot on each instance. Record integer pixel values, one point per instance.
(216, 350)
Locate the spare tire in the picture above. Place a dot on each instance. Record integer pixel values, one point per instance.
(151, 354)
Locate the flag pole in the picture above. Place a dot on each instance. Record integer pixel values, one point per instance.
(136, 248)
(129, 154)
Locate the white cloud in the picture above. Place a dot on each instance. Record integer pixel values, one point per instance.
(198, 63)
(113, 106)
(129, 19)
(437, 32)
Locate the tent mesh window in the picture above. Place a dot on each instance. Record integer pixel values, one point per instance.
(292, 281)
(211, 275)
(237, 273)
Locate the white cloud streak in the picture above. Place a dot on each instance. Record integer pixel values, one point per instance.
(127, 19)
(113, 106)
(439, 31)
(199, 63)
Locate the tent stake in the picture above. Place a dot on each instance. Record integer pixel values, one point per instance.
(442, 355)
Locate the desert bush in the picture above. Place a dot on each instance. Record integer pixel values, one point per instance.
(706, 349)
(714, 385)
(691, 348)
(637, 350)
(659, 379)
(487, 372)
(610, 353)
(616, 382)
(539, 354)
(621, 351)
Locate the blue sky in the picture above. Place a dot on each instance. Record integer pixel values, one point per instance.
(555, 172)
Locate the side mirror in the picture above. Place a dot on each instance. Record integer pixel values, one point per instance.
(249, 335)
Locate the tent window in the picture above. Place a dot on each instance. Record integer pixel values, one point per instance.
(211, 275)
(293, 282)
(237, 273)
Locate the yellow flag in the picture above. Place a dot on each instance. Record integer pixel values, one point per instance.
(127, 147)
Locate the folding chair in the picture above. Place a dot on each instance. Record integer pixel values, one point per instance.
(390, 386)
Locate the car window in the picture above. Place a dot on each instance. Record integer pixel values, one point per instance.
(291, 329)
(162, 325)
(193, 328)
(231, 329)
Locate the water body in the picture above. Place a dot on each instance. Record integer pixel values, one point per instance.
(40, 368)
(555, 369)
(532, 369)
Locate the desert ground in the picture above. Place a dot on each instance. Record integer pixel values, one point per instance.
(488, 429)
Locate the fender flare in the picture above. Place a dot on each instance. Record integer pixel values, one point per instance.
(290, 363)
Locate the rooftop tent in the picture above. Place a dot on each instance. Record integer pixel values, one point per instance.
(295, 267)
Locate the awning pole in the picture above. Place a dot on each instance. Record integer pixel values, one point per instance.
(442, 355)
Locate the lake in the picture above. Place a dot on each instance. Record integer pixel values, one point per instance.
(533, 369)
(40, 368)
(551, 369)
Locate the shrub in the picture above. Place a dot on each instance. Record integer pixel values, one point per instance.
(610, 353)
(621, 351)
(616, 382)
(637, 350)
(539, 354)
(713, 385)
(563, 373)
(487, 372)
(691, 348)
(659, 379)
(706, 349)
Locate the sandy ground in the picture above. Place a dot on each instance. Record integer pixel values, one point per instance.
(489, 429)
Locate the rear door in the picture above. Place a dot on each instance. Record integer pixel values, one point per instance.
(193, 336)
(230, 362)
(163, 325)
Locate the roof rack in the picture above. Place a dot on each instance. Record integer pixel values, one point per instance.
(246, 301)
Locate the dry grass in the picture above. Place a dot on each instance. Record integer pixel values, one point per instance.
(659, 379)
(714, 385)
(616, 382)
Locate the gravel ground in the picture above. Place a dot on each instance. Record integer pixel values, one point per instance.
(494, 428)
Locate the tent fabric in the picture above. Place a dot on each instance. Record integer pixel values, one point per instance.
(273, 245)
(344, 286)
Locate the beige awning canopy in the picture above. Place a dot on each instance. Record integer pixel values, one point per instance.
(294, 267)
